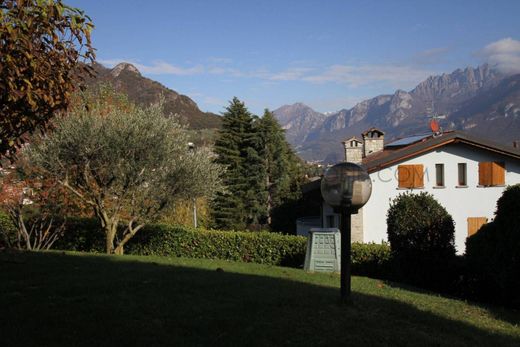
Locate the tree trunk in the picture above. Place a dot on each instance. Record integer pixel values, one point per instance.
(269, 199)
(110, 232)
(119, 250)
(130, 232)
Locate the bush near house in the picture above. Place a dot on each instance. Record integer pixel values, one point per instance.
(421, 235)
(493, 254)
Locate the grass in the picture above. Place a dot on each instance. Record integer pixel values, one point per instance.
(73, 299)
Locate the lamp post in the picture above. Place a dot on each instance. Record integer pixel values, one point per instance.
(191, 148)
(346, 187)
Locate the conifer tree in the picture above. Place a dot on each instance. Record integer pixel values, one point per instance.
(237, 149)
(283, 171)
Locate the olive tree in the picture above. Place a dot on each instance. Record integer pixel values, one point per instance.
(126, 163)
(44, 48)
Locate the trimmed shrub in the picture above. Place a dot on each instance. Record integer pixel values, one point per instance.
(493, 254)
(370, 259)
(259, 247)
(256, 247)
(7, 231)
(422, 235)
(418, 224)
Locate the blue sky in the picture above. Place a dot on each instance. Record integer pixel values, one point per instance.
(327, 54)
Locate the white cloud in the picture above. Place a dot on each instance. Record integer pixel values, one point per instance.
(219, 60)
(157, 67)
(351, 75)
(357, 75)
(162, 68)
(291, 74)
(504, 54)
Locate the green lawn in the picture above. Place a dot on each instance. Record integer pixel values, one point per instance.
(58, 299)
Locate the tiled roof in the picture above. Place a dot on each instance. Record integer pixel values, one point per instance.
(392, 155)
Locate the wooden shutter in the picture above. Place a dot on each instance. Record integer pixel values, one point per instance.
(418, 176)
(485, 173)
(498, 174)
(405, 176)
(491, 174)
(410, 176)
(475, 223)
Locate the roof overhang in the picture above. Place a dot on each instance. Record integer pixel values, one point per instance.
(379, 162)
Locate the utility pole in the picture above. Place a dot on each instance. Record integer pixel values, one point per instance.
(191, 148)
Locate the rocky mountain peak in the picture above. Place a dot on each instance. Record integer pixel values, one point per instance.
(287, 113)
(482, 100)
(116, 71)
(458, 85)
(125, 78)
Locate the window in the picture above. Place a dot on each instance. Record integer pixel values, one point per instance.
(463, 175)
(439, 175)
(410, 176)
(491, 173)
(475, 223)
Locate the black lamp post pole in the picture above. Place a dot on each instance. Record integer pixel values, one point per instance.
(345, 279)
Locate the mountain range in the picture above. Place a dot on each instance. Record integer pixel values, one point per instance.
(481, 101)
(143, 91)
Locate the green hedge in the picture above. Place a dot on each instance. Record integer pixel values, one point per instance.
(85, 235)
(371, 259)
(256, 247)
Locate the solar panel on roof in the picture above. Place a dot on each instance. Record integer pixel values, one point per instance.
(407, 140)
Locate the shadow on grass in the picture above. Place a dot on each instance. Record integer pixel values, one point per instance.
(69, 300)
(509, 315)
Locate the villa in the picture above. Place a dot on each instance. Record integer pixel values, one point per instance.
(464, 173)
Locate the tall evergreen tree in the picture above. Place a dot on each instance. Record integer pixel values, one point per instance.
(237, 148)
(283, 169)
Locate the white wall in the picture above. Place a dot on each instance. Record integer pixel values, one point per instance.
(461, 203)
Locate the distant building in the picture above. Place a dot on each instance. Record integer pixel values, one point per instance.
(465, 174)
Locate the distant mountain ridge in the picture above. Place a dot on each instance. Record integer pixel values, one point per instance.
(298, 120)
(143, 91)
(477, 100)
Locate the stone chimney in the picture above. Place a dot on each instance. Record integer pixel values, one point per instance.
(353, 150)
(373, 141)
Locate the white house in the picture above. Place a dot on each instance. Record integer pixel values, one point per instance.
(465, 174)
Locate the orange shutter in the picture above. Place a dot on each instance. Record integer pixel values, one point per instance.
(498, 174)
(475, 223)
(485, 173)
(418, 176)
(410, 176)
(405, 176)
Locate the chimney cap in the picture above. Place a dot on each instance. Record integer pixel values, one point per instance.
(353, 138)
(372, 130)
